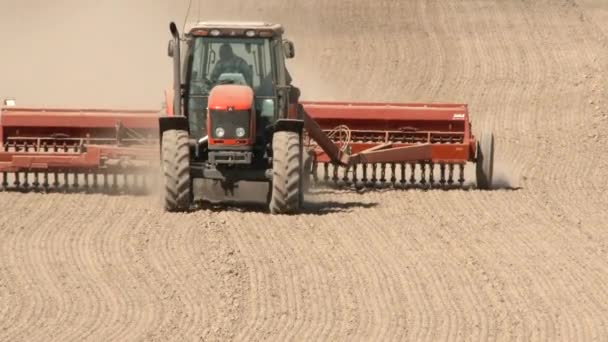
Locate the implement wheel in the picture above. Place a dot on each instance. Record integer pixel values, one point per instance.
(306, 175)
(176, 191)
(485, 161)
(286, 173)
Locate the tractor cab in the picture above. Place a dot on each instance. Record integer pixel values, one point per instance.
(224, 64)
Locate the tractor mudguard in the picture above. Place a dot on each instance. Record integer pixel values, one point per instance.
(166, 123)
(289, 125)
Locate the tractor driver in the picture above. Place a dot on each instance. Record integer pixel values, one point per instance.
(231, 63)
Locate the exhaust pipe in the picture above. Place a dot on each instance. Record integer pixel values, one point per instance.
(177, 78)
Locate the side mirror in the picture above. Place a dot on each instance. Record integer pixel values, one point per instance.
(171, 48)
(289, 49)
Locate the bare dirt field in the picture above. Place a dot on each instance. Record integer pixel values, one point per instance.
(526, 264)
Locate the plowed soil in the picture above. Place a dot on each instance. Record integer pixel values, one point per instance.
(528, 261)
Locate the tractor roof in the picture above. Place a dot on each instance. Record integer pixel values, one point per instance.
(277, 29)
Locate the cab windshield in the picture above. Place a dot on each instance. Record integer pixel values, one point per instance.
(230, 61)
(214, 61)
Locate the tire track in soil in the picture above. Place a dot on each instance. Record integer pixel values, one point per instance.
(344, 253)
(290, 254)
(178, 302)
(279, 285)
(322, 296)
(378, 294)
(384, 250)
(121, 256)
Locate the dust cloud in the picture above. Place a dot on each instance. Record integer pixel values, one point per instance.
(112, 54)
(505, 176)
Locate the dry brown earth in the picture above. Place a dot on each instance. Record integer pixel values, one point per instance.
(530, 264)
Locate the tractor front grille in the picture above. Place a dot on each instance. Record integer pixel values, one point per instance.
(230, 121)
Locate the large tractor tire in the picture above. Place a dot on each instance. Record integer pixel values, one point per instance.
(286, 173)
(177, 189)
(485, 161)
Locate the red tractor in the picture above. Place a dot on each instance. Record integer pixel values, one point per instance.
(234, 118)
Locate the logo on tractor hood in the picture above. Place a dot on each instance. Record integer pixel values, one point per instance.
(458, 117)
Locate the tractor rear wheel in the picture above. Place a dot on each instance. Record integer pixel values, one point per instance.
(286, 173)
(485, 161)
(177, 189)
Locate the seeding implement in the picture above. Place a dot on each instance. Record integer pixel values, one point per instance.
(46, 149)
(236, 117)
(396, 144)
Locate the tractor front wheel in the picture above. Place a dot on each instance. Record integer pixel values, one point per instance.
(177, 189)
(286, 173)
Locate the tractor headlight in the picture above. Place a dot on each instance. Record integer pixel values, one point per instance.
(220, 132)
(240, 132)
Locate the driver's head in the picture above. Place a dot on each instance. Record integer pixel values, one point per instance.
(226, 51)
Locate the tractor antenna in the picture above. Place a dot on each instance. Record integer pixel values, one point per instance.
(187, 13)
(198, 15)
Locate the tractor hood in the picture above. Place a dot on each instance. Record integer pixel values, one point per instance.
(231, 97)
